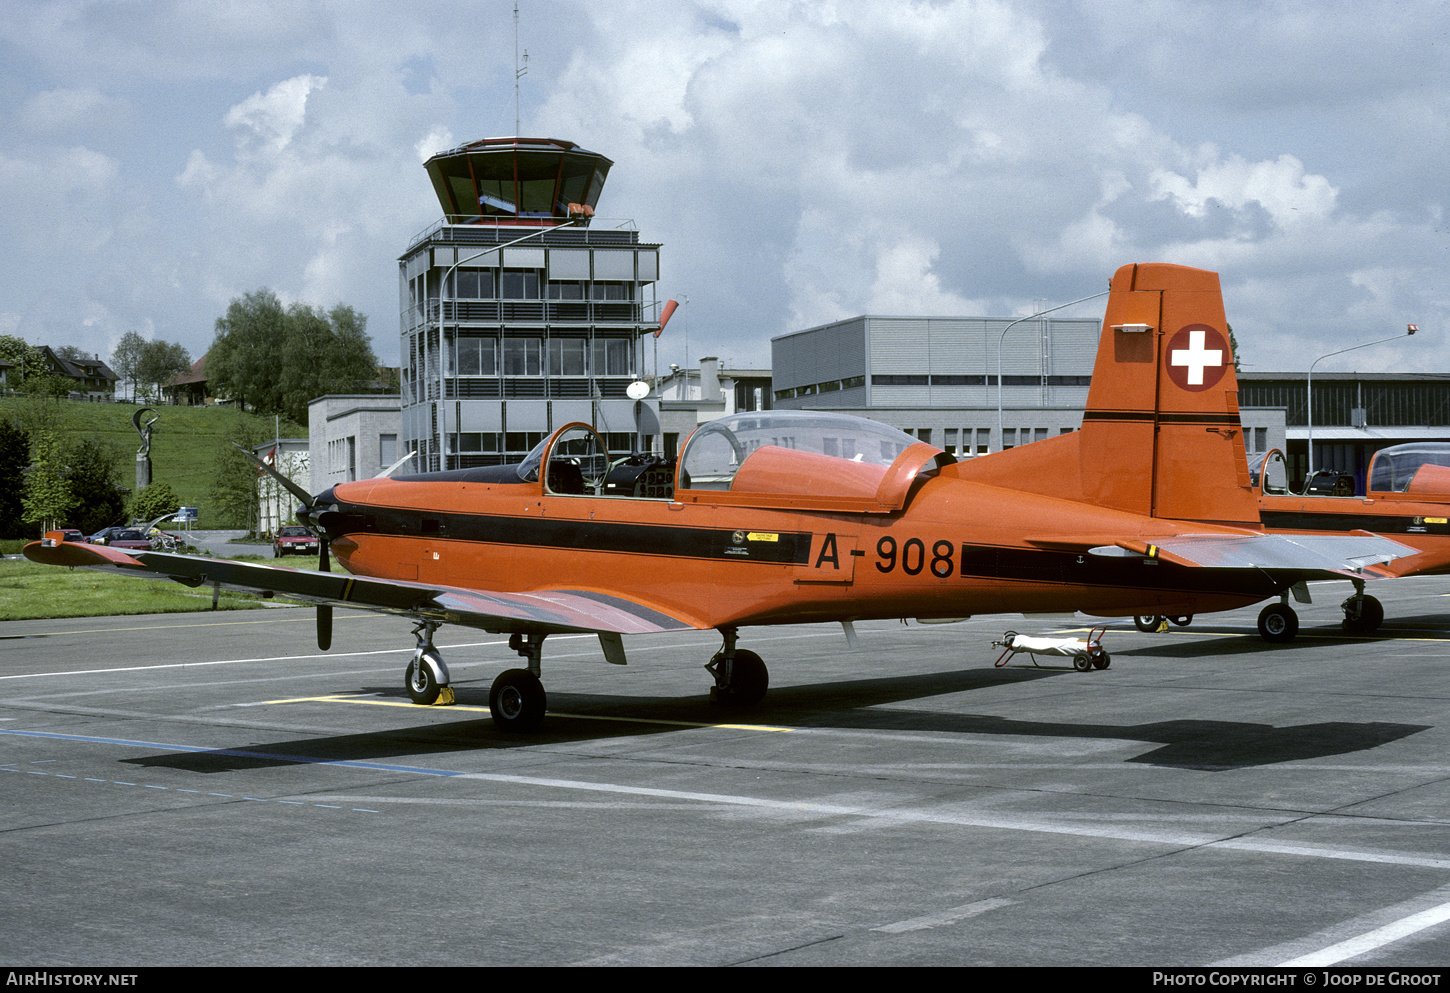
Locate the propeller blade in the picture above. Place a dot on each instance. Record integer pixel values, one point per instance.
(324, 627)
(324, 561)
(287, 484)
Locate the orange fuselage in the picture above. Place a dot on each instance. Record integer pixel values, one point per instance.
(718, 559)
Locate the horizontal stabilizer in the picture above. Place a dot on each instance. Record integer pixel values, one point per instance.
(1314, 553)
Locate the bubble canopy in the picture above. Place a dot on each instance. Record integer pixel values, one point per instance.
(718, 449)
(525, 179)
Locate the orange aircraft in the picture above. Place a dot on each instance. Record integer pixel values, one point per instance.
(778, 517)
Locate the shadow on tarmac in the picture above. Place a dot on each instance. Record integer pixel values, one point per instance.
(1205, 745)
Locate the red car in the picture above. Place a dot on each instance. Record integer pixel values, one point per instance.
(129, 538)
(294, 540)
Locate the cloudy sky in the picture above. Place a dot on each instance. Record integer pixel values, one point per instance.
(799, 162)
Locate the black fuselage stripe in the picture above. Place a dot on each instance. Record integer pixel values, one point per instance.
(1160, 417)
(1286, 520)
(976, 561)
(789, 547)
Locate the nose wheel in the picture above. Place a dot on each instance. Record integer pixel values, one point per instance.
(426, 678)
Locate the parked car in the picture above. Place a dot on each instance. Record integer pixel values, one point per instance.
(72, 535)
(102, 536)
(294, 540)
(130, 538)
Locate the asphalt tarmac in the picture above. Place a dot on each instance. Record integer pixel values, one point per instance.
(209, 789)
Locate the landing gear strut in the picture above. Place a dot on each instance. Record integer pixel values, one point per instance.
(1362, 614)
(517, 699)
(426, 679)
(741, 678)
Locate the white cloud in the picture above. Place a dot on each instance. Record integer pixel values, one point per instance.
(270, 120)
(1282, 187)
(440, 139)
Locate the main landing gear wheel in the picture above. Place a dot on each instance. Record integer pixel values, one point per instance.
(517, 700)
(1278, 623)
(421, 684)
(1363, 617)
(1147, 623)
(748, 681)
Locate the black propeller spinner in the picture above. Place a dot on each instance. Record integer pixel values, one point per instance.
(309, 515)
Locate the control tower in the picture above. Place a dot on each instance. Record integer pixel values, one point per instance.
(522, 311)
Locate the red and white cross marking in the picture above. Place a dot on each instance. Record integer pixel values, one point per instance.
(1197, 357)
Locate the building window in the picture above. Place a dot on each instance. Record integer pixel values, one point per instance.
(522, 357)
(472, 284)
(613, 291)
(476, 357)
(519, 284)
(387, 450)
(473, 442)
(566, 356)
(612, 357)
(566, 289)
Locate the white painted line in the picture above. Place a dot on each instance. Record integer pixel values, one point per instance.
(1371, 940)
(951, 916)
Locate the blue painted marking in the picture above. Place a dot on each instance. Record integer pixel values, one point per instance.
(238, 753)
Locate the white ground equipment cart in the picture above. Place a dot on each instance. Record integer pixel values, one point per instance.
(1086, 653)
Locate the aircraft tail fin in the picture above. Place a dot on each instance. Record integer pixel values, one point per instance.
(1161, 435)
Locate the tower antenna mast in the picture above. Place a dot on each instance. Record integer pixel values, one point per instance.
(520, 69)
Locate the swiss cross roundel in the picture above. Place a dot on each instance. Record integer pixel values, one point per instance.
(1197, 357)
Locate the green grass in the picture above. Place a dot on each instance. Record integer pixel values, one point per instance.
(184, 441)
(29, 591)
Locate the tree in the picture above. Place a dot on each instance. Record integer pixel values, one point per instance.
(242, 364)
(23, 356)
(126, 359)
(1233, 344)
(161, 362)
(324, 353)
(91, 470)
(278, 361)
(156, 500)
(234, 477)
(14, 459)
(47, 500)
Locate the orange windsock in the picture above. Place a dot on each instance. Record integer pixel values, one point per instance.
(665, 315)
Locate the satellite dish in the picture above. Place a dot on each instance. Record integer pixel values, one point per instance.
(637, 390)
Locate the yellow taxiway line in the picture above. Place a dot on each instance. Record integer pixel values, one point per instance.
(553, 713)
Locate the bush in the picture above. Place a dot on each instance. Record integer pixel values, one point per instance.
(156, 500)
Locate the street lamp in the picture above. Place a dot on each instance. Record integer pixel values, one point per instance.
(1309, 385)
(1003, 337)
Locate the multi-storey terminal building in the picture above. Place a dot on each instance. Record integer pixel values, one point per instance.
(520, 311)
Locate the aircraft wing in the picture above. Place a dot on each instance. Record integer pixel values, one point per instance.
(1333, 553)
(547, 611)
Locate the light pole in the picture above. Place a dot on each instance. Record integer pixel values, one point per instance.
(1003, 337)
(1309, 386)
